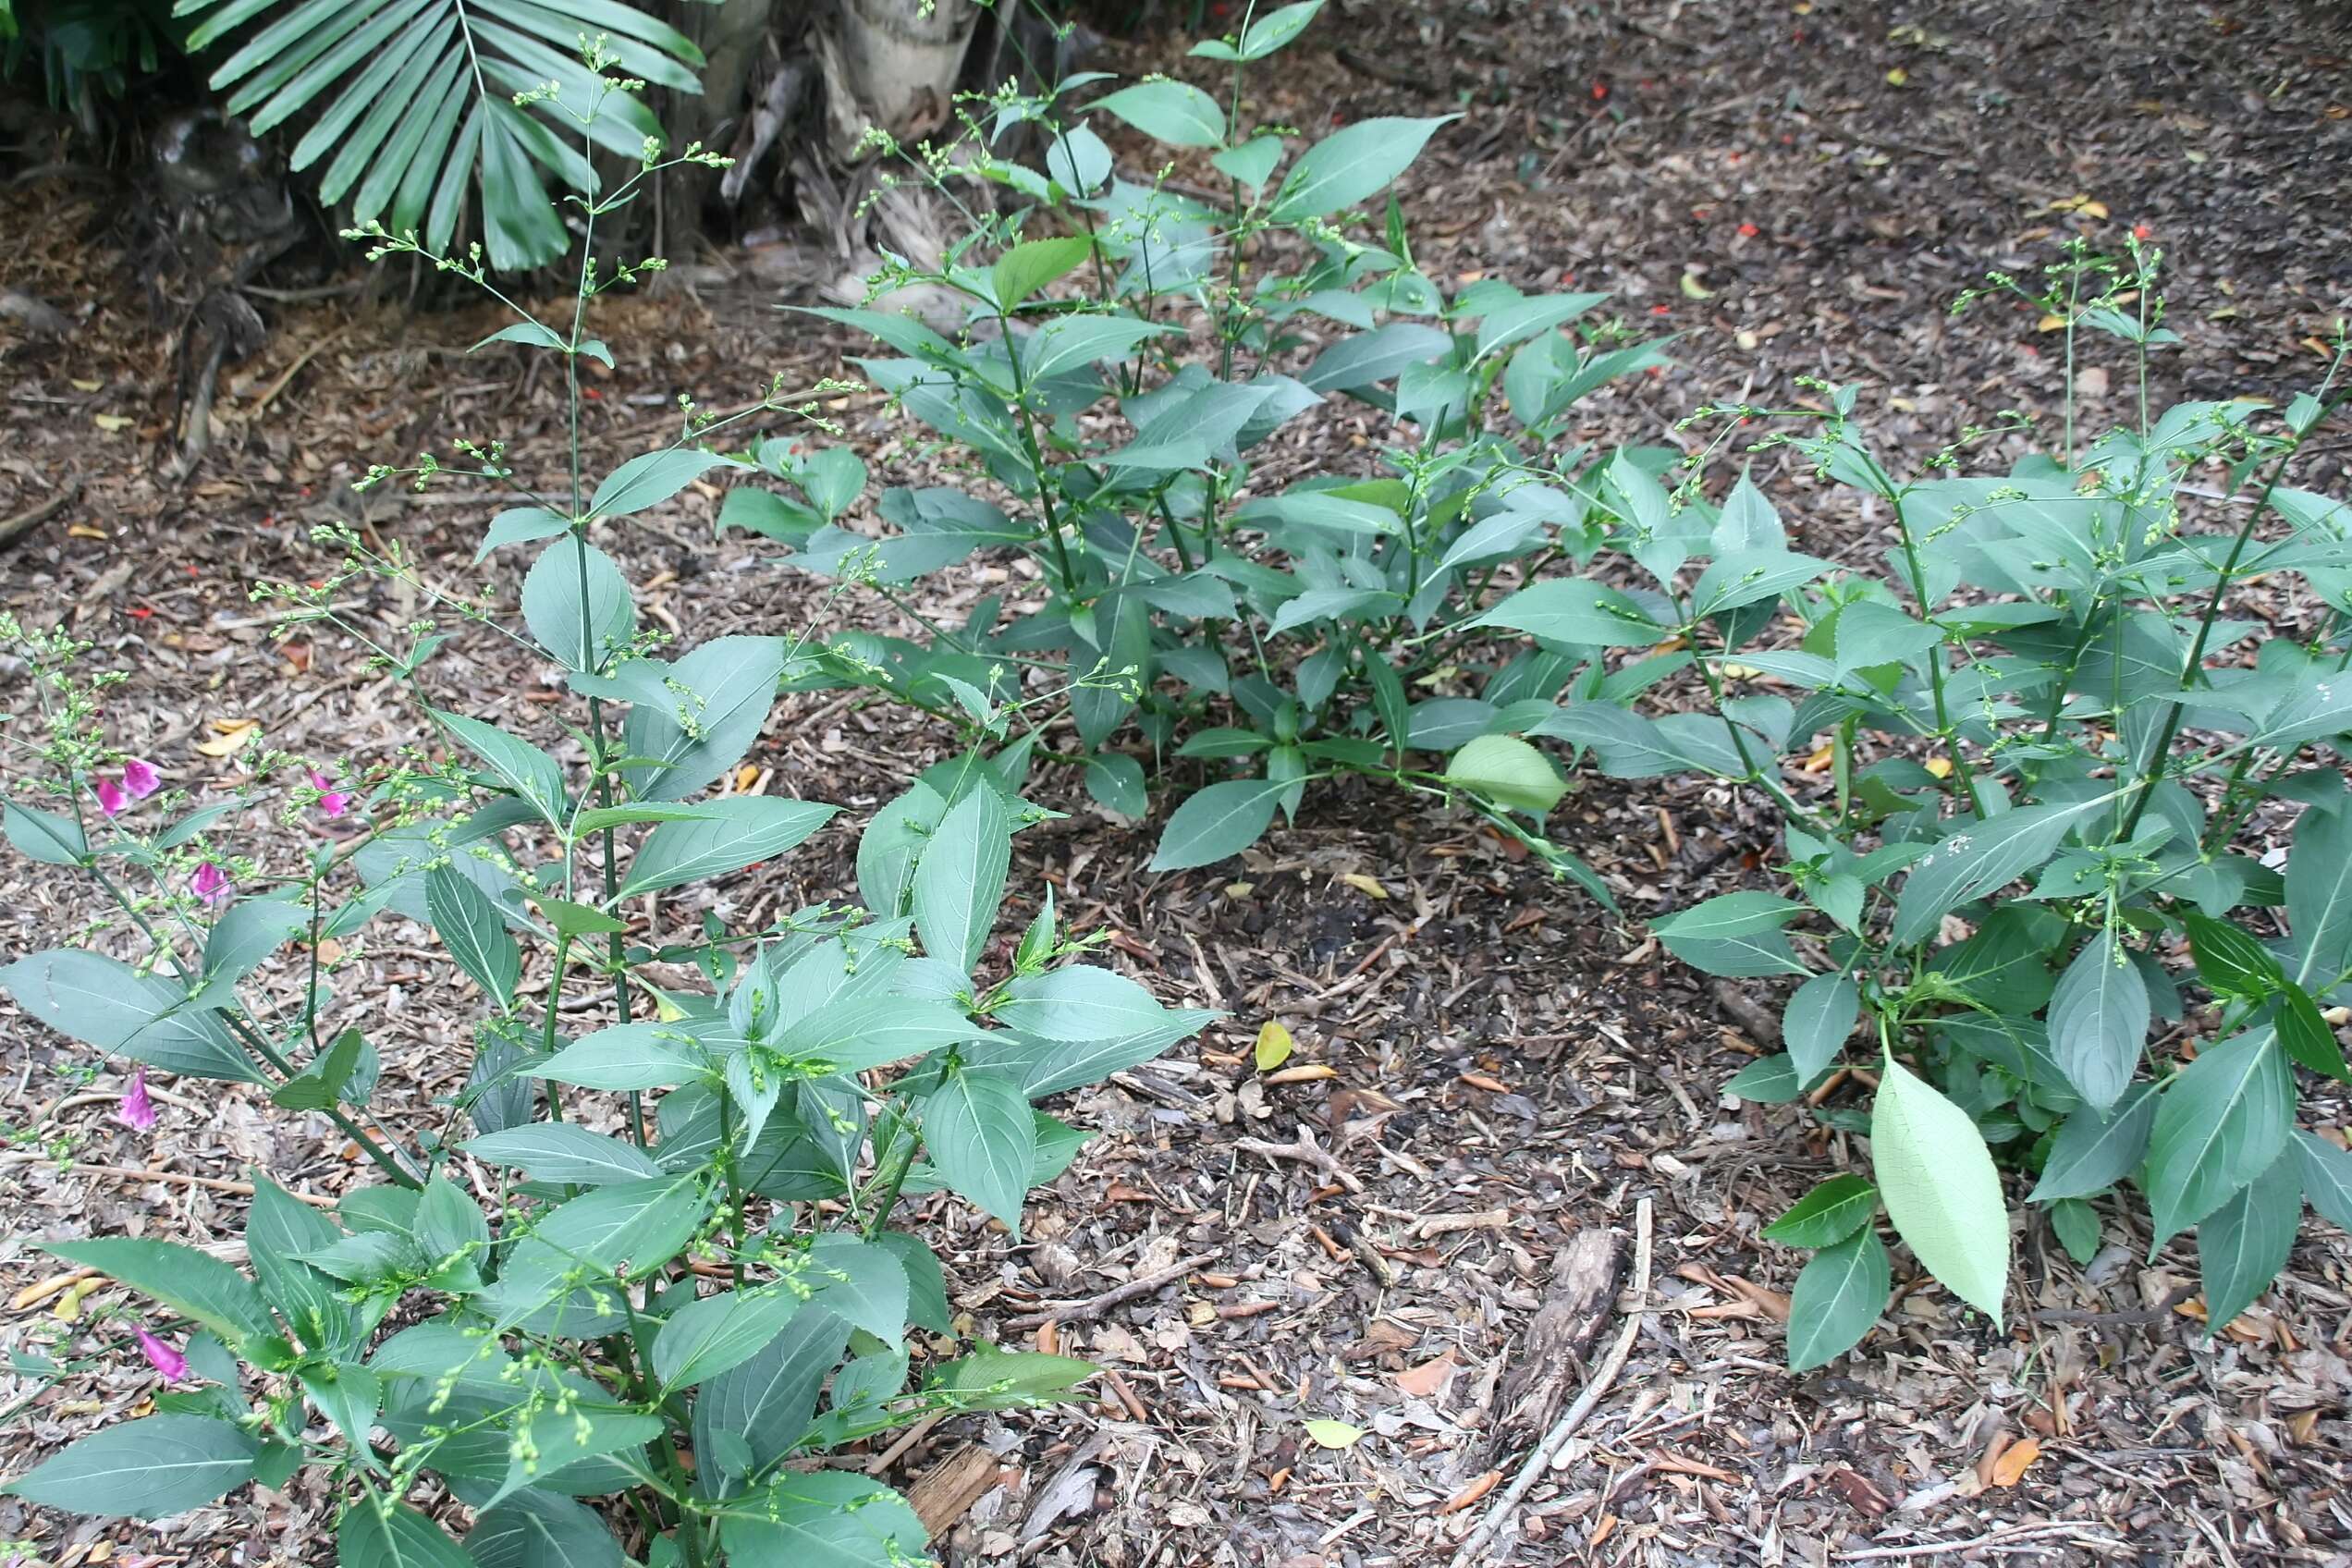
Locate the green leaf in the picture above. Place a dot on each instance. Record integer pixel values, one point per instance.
(650, 480)
(627, 1056)
(1838, 1296)
(324, 1082)
(1034, 264)
(378, 1531)
(48, 837)
(1769, 1080)
(990, 1378)
(2219, 1125)
(707, 1337)
(2318, 895)
(2305, 1036)
(1509, 772)
(983, 1139)
(1747, 577)
(860, 1282)
(1277, 28)
(1212, 824)
(2094, 1151)
(2231, 961)
(1067, 342)
(1173, 111)
(2242, 1245)
(1115, 781)
(535, 778)
(191, 1284)
(1352, 163)
(519, 525)
(2075, 1224)
(821, 1519)
(570, 919)
(2327, 1178)
(248, 933)
(1817, 1021)
(724, 835)
(1079, 1002)
(1569, 609)
(1728, 915)
(1975, 858)
(565, 1151)
(959, 879)
(1826, 1215)
(144, 1469)
(766, 1401)
(471, 928)
(579, 633)
(537, 1529)
(1941, 1191)
(2099, 1018)
(1252, 162)
(716, 699)
(104, 1003)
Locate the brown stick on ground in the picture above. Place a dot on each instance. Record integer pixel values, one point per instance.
(1584, 1277)
(1095, 1306)
(1474, 1547)
(31, 518)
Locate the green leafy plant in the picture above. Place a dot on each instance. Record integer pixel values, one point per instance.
(2019, 771)
(1269, 637)
(685, 1317)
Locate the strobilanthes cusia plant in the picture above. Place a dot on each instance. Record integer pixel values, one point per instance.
(682, 1317)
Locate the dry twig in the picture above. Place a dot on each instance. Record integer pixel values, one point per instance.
(1474, 1546)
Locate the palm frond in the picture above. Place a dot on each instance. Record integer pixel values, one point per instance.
(411, 102)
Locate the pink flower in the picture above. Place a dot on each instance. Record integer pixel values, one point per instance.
(210, 884)
(140, 778)
(332, 802)
(138, 1110)
(111, 799)
(163, 1357)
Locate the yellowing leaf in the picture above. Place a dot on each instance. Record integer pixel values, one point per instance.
(1334, 1434)
(1897, 77)
(1935, 1178)
(1274, 1045)
(1240, 889)
(2051, 324)
(2093, 208)
(81, 386)
(1369, 886)
(230, 736)
(1939, 766)
(110, 423)
(2011, 1466)
(1820, 761)
(1694, 290)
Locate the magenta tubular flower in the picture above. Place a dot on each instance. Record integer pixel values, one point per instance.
(111, 799)
(138, 1111)
(140, 778)
(331, 802)
(163, 1357)
(210, 884)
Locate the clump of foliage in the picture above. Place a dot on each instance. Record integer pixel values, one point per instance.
(2020, 767)
(1275, 637)
(686, 1319)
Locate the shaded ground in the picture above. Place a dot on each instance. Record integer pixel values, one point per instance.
(1505, 1072)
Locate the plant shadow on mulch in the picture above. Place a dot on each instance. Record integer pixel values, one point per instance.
(1488, 1069)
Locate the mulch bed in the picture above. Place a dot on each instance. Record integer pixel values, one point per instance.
(1420, 1228)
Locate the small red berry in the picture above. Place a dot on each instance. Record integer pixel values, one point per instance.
(1600, 91)
(1748, 231)
(2142, 231)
